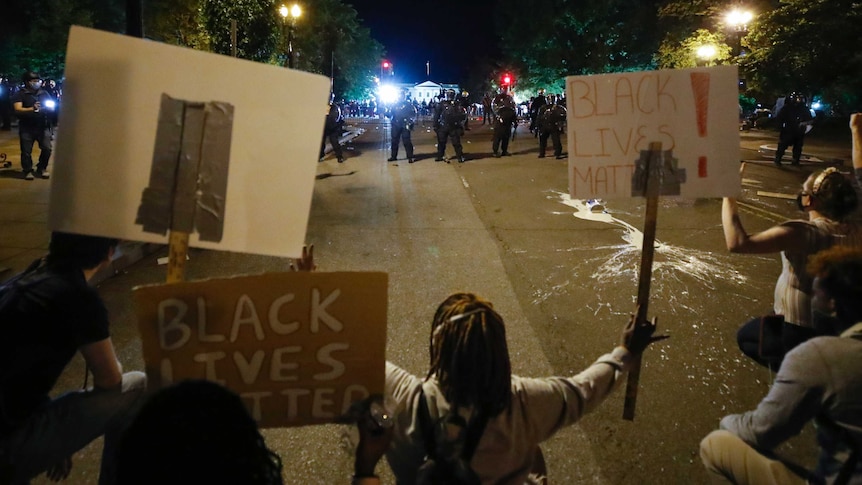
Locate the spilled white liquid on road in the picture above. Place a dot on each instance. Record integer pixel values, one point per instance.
(700, 265)
(681, 278)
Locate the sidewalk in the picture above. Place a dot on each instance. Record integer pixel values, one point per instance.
(23, 211)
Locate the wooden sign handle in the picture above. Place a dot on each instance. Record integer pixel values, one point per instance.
(645, 278)
(178, 250)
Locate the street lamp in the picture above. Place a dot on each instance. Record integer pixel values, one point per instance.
(292, 14)
(738, 19)
(707, 53)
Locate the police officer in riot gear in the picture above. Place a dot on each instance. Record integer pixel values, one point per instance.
(449, 118)
(794, 120)
(550, 122)
(539, 101)
(332, 129)
(505, 116)
(403, 117)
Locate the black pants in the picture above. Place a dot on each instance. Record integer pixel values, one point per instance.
(555, 139)
(775, 344)
(454, 134)
(786, 139)
(332, 136)
(502, 135)
(44, 139)
(400, 134)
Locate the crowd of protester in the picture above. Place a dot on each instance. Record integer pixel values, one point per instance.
(468, 419)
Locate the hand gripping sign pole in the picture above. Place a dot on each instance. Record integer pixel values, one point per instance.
(652, 161)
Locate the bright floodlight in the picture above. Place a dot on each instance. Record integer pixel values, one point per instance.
(50, 104)
(295, 11)
(283, 11)
(388, 93)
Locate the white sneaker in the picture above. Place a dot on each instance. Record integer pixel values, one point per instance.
(29, 176)
(43, 174)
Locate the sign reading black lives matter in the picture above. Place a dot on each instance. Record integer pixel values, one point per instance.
(299, 348)
(613, 118)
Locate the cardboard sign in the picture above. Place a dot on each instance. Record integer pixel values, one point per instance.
(106, 142)
(613, 118)
(299, 348)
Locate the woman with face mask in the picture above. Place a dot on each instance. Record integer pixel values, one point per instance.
(827, 198)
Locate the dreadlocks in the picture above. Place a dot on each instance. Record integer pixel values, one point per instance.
(469, 355)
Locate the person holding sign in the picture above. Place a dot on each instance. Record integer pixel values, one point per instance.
(828, 198)
(470, 385)
(819, 380)
(47, 314)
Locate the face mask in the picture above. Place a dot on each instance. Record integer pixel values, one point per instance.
(799, 201)
(34, 85)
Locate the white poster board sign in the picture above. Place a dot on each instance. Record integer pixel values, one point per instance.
(693, 113)
(107, 134)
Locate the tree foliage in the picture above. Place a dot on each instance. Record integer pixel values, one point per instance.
(556, 38)
(685, 53)
(257, 25)
(175, 22)
(810, 46)
(39, 45)
(332, 41)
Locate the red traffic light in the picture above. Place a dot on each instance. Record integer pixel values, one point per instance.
(386, 64)
(507, 79)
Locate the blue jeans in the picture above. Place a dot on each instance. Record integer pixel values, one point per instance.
(69, 423)
(44, 139)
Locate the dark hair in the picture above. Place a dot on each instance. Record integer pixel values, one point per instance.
(78, 251)
(835, 194)
(30, 75)
(839, 270)
(469, 354)
(195, 432)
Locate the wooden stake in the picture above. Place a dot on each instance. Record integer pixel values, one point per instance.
(647, 253)
(178, 250)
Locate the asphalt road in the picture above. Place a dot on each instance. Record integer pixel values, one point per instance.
(505, 229)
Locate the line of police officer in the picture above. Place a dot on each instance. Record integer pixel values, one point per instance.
(450, 121)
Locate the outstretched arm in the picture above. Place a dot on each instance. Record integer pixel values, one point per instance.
(775, 239)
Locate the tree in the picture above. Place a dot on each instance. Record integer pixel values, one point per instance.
(809, 46)
(557, 38)
(684, 54)
(332, 41)
(175, 22)
(39, 45)
(257, 27)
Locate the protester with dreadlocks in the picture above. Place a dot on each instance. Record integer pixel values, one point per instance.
(471, 416)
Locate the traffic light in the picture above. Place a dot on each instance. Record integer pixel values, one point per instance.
(506, 80)
(386, 65)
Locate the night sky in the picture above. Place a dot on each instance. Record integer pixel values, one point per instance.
(451, 34)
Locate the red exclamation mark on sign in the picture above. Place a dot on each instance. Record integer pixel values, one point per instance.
(700, 87)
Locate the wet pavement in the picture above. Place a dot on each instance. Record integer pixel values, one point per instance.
(505, 228)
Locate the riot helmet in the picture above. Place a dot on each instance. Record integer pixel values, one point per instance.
(541, 92)
(797, 98)
(450, 94)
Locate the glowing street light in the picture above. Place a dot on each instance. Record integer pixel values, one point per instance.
(707, 53)
(292, 13)
(738, 19)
